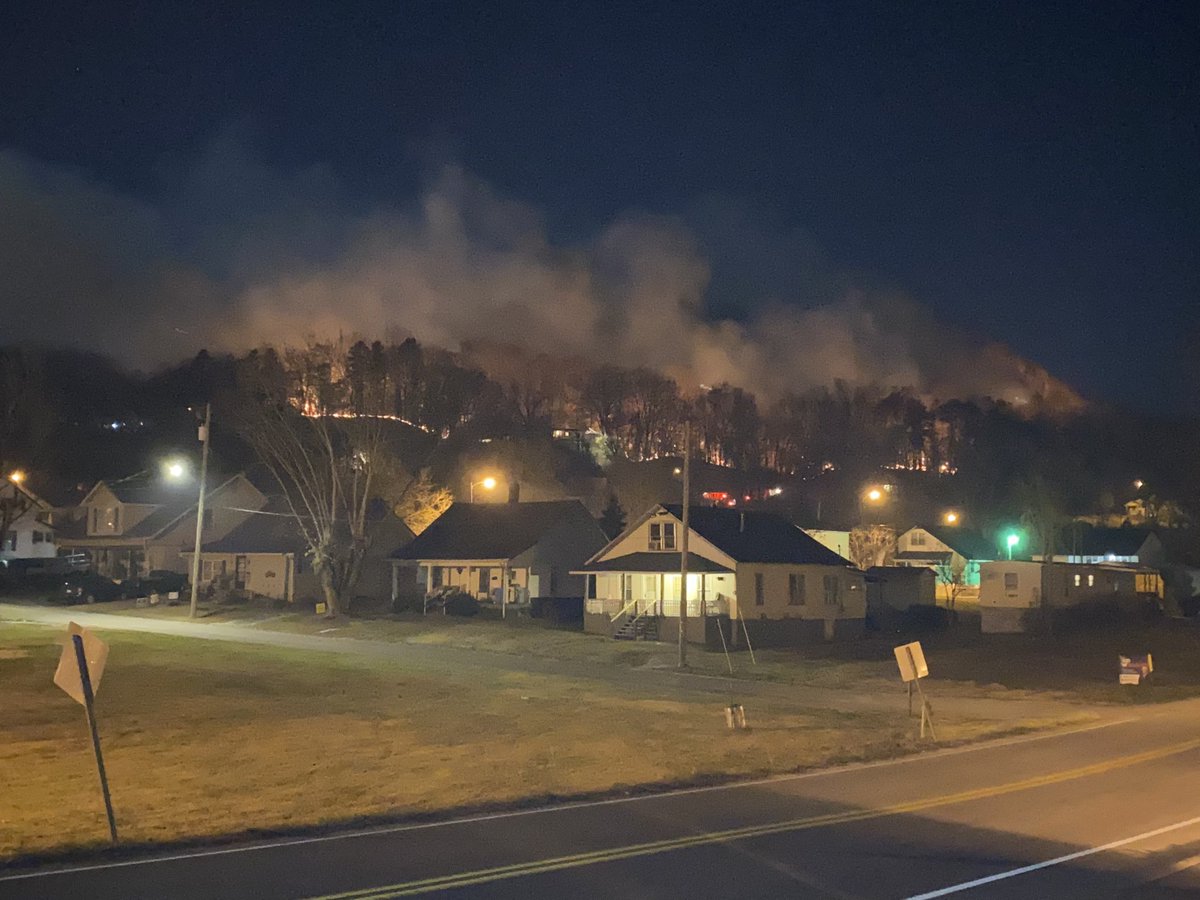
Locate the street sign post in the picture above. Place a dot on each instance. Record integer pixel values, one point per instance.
(79, 670)
(911, 660)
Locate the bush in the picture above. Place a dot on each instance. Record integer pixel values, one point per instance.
(460, 604)
(923, 618)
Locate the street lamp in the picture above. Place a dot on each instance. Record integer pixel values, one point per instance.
(175, 469)
(951, 517)
(16, 476)
(1011, 541)
(488, 483)
(874, 495)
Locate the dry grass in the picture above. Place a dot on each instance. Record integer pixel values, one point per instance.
(205, 738)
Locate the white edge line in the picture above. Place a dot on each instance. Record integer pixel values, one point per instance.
(566, 807)
(1058, 860)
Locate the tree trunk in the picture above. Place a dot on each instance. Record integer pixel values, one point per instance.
(333, 602)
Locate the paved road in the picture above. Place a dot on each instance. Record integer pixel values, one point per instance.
(1111, 811)
(434, 658)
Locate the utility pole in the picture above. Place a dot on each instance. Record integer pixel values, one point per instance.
(204, 432)
(683, 544)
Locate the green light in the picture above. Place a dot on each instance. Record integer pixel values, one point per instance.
(1013, 540)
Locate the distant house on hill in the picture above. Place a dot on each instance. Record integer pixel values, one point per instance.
(954, 554)
(754, 566)
(1088, 544)
(132, 526)
(502, 553)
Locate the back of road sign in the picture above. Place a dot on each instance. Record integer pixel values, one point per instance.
(911, 660)
(66, 676)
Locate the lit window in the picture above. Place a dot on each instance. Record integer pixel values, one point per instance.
(1076, 581)
(1091, 580)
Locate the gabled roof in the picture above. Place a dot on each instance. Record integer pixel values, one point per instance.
(488, 530)
(273, 529)
(963, 541)
(653, 561)
(1093, 541)
(757, 537)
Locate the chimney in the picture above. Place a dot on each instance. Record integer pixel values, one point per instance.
(741, 522)
(514, 491)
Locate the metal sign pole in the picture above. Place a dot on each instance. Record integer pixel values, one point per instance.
(89, 699)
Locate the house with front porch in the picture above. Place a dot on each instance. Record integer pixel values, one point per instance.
(267, 555)
(502, 553)
(954, 555)
(133, 526)
(755, 570)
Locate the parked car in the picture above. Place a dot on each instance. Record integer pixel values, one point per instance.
(159, 581)
(88, 587)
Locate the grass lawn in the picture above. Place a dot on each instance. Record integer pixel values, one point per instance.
(205, 738)
(1080, 665)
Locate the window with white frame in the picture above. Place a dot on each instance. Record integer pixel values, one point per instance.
(917, 539)
(662, 535)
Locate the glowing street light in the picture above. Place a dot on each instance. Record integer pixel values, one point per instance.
(175, 470)
(16, 476)
(950, 518)
(1138, 483)
(488, 484)
(874, 495)
(1011, 541)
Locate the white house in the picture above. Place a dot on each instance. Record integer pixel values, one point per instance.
(1022, 595)
(137, 525)
(502, 553)
(267, 556)
(30, 534)
(954, 554)
(751, 567)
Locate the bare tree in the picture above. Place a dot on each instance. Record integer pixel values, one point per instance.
(422, 500)
(873, 545)
(952, 578)
(328, 467)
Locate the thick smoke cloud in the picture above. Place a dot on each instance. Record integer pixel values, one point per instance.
(236, 254)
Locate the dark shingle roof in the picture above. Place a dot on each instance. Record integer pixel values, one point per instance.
(1125, 541)
(650, 561)
(964, 542)
(757, 536)
(271, 530)
(488, 530)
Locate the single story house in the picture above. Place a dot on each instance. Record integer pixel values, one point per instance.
(1022, 595)
(751, 566)
(893, 590)
(30, 534)
(501, 553)
(1089, 544)
(267, 556)
(133, 526)
(954, 554)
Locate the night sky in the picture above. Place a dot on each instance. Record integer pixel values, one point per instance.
(1028, 172)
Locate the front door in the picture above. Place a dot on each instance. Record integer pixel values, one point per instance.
(240, 567)
(485, 581)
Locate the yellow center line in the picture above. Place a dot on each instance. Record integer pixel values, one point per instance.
(535, 867)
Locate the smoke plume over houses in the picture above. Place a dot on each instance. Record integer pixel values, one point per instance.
(234, 254)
